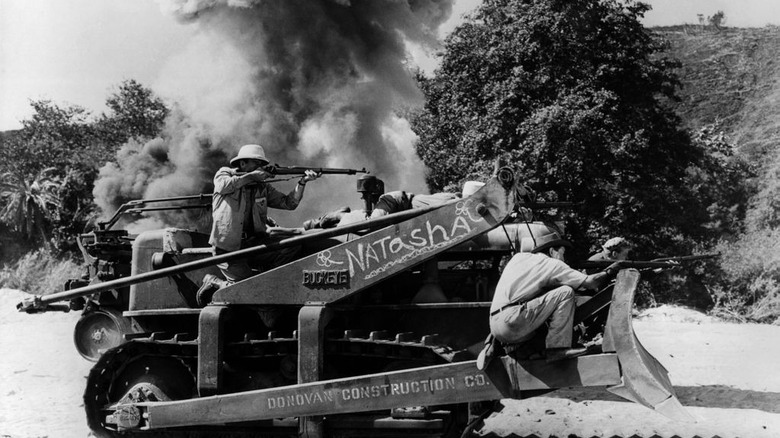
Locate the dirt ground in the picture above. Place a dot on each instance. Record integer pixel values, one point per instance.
(726, 375)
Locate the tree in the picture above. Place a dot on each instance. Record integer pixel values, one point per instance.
(574, 92)
(69, 144)
(62, 141)
(725, 180)
(55, 136)
(135, 113)
(30, 206)
(717, 20)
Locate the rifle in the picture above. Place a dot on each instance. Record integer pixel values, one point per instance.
(293, 171)
(688, 258)
(301, 170)
(662, 262)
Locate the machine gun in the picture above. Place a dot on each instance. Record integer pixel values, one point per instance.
(200, 201)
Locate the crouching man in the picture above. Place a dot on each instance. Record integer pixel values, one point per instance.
(537, 287)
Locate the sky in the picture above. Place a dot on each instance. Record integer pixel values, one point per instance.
(76, 52)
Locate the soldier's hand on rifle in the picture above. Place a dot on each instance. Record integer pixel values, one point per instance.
(672, 264)
(614, 268)
(258, 175)
(309, 176)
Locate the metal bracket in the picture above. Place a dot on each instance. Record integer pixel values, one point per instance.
(312, 320)
(210, 349)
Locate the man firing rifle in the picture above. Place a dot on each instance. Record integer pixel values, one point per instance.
(240, 215)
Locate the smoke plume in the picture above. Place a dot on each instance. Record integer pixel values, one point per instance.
(316, 82)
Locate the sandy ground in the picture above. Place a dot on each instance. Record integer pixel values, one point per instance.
(726, 375)
(42, 377)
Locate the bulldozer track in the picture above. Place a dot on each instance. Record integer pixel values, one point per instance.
(391, 349)
(180, 350)
(401, 348)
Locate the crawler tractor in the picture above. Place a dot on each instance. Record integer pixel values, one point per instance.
(373, 331)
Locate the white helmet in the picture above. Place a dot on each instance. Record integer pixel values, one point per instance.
(471, 187)
(250, 152)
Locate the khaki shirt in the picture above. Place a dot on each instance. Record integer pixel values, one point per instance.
(230, 208)
(528, 275)
(393, 202)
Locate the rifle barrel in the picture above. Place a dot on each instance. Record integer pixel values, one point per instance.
(688, 257)
(662, 262)
(638, 264)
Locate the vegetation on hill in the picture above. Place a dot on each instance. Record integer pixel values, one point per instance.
(729, 79)
(730, 87)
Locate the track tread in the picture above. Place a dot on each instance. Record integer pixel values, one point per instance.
(183, 347)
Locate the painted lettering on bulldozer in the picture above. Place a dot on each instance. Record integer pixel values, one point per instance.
(375, 257)
(394, 389)
(303, 399)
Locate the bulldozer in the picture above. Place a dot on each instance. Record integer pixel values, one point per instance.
(373, 330)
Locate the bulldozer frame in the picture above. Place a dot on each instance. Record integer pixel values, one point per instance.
(186, 381)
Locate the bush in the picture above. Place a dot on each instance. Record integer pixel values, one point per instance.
(748, 287)
(39, 273)
(683, 286)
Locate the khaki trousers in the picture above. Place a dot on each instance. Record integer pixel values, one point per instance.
(517, 324)
(237, 270)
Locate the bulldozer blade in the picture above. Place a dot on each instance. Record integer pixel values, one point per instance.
(644, 380)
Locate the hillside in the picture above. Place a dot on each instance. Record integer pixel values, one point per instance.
(730, 77)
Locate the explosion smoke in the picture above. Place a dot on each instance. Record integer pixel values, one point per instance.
(316, 82)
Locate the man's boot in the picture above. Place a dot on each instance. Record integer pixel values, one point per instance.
(211, 284)
(556, 354)
(487, 353)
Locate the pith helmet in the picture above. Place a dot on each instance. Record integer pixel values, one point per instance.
(550, 240)
(250, 152)
(471, 187)
(616, 244)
